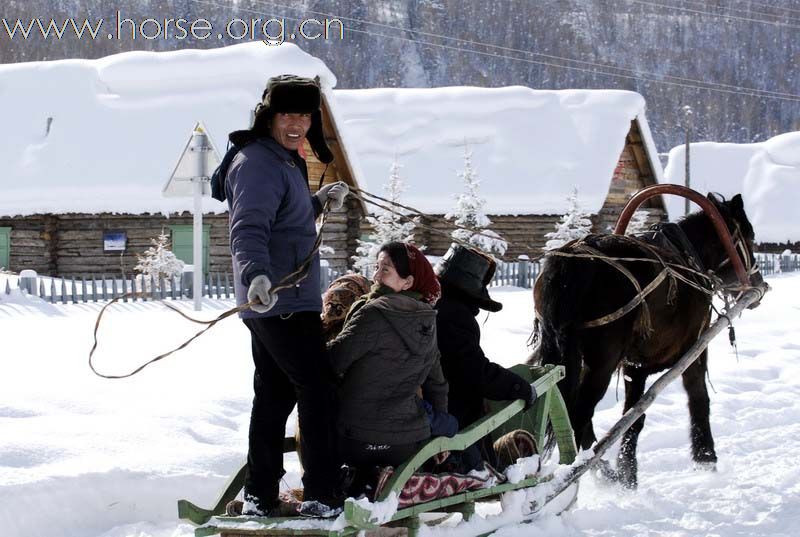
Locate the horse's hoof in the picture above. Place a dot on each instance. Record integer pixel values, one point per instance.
(606, 472)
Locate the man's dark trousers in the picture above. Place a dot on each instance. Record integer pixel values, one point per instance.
(291, 367)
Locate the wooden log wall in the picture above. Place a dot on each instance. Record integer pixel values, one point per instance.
(341, 234)
(524, 233)
(80, 241)
(774, 247)
(31, 243)
(628, 178)
(72, 244)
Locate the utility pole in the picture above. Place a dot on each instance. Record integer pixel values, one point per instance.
(687, 114)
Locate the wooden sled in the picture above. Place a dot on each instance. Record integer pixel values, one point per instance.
(549, 409)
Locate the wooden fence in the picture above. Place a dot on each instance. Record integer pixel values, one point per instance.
(219, 285)
(776, 263)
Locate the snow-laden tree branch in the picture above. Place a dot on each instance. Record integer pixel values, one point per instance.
(468, 213)
(387, 227)
(574, 224)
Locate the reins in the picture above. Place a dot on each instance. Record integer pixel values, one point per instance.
(669, 270)
(290, 280)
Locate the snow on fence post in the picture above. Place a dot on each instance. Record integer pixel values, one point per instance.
(103, 287)
(63, 291)
(74, 291)
(114, 293)
(83, 289)
(523, 261)
(27, 281)
(153, 290)
(133, 289)
(174, 289)
(94, 288)
(124, 288)
(52, 290)
(227, 286)
(8, 288)
(209, 293)
(187, 281)
(162, 286)
(42, 294)
(219, 286)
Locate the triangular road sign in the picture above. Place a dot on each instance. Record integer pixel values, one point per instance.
(199, 146)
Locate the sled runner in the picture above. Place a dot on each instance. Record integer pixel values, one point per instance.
(548, 411)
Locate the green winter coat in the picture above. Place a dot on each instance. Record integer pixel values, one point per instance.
(386, 351)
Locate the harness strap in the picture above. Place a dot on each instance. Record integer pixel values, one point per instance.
(638, 299)
(634, 302)
(585, 251)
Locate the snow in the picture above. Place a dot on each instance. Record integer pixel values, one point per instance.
(85, 457)
(531, 147)
(104, 135)
(767, 174)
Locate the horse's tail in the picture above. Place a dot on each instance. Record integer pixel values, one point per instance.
(558, 295)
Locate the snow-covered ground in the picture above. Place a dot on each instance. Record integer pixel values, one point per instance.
(86, 457)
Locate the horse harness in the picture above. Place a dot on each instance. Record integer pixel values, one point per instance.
(669, 247)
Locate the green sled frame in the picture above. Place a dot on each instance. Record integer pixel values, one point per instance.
(549, 409)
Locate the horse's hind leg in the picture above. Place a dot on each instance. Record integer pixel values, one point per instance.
(600, 364)
(627, 466)
(694, 382)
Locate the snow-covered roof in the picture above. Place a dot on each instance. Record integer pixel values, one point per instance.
(104, 135)
(767, 174)
(529, 147)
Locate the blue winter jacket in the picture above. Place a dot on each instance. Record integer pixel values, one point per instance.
(272, 215)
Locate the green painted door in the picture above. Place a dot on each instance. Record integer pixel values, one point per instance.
(5, 246)
(182, 243)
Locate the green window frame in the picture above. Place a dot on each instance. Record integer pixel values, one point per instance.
(5, 247)
(182, 247)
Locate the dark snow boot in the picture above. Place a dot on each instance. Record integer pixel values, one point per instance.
(318, 509)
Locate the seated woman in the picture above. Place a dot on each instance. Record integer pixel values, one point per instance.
(386, 351)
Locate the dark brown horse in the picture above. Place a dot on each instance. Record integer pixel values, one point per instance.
(574, 289)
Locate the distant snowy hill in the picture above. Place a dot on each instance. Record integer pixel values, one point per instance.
(665, 50)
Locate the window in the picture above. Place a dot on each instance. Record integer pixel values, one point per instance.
(5, 246)
(182, 243)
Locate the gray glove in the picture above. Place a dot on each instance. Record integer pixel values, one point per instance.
(336, 192)
(259, 290)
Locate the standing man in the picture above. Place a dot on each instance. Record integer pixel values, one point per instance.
(272, 215)
(464, 274)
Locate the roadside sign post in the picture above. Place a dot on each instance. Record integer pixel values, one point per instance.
(192, 177)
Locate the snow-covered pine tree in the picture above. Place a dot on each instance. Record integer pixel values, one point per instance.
(468, 213)
(158, 261)
(387, 227)
(638, 223)
(574, 224)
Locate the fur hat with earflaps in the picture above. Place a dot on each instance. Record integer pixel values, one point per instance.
(290, 94)
(470, 272)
